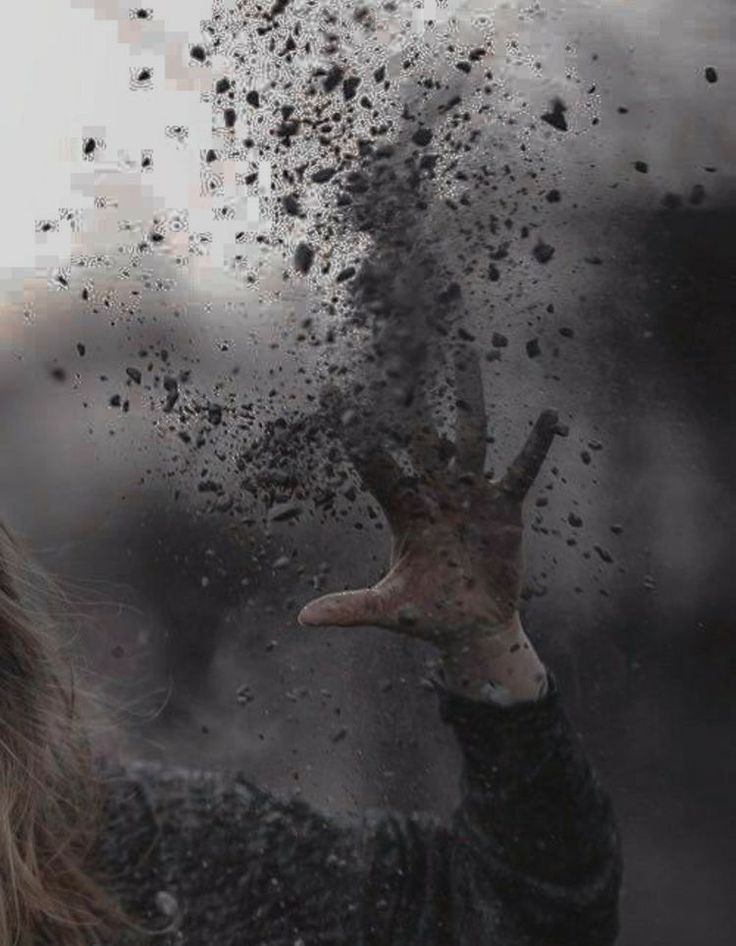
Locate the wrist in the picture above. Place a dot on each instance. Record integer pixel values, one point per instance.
(500, 664)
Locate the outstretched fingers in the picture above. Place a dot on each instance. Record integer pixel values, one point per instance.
(522, 473)
(472, 419)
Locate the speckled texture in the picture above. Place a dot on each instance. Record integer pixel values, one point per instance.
(532, 855)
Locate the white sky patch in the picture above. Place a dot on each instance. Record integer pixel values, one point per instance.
(74, 84)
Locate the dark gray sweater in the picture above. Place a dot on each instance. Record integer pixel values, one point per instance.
(531, 857)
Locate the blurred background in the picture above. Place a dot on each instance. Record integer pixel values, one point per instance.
(181, 588)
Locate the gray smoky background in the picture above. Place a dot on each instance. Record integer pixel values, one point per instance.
(551, 185)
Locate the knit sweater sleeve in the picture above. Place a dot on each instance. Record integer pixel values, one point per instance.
(531, 857)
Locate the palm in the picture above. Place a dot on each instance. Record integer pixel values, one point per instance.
(456, 563)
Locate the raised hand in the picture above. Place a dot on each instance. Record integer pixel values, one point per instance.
(456, 565)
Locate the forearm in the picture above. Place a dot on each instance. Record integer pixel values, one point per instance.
(502, 664)
(534, 827)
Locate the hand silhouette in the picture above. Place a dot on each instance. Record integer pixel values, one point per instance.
(456, 564)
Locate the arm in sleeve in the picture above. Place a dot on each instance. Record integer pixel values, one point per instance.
(535, 851)
(532, 857)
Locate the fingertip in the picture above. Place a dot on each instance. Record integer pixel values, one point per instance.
(306, 617)
(549, 418)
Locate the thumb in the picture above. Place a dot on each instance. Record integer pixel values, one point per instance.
(345, 609)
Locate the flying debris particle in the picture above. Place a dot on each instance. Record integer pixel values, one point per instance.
(231, 117)
(533, 349)
(575, 521)
(422, 137)
(81, 349)
(333, 79)
(350, 88)
(171, 386)
(697, 195)
(604, 555)
(499, 341)
(134, 375)
(58, 373)
(346, 274)
(494, 273)
(543, 252)
(323, 175)
(291, 205)
(222, 86)
(553, 196)
(304, 258)
(286, 512)
(253, 98)
(641, 166)
(463, 66)
(380, 74)
(711, 75)
(89, 146)
(556, 116)
(198, 53)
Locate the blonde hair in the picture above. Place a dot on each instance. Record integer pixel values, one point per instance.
(48, 789)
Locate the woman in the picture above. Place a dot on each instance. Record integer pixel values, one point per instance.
(531, 856)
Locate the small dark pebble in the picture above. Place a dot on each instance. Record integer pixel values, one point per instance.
(134, 375)
(81, 349)
(711, 75)
(533, 349)
(304, 258)
(641, 166)
(543, 252)
(575, 521)
(253, 98)
(554, 196)
(346, 274)
(230, 117)
(333, 78)
(350, 88)
(222, 86)
(499, 341)
(556, 116)
(463, 66)
(291, 205)
(603, 554)
(697, 195)
(422, 137)
(198, 53)
(323, 175)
